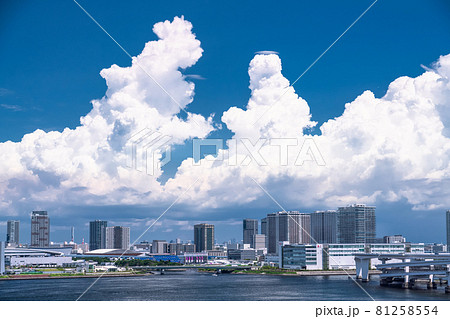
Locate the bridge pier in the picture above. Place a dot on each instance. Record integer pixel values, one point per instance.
(407, 284)
(431, 284)
(362, 269)
(358, 268)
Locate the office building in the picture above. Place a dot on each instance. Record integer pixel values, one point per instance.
(117, 237)
(204, 237)
(448, 229)
(97, 234)
(159, 247)
(259, 241)
(189, 248)
(175, 249)
(394, 239)
(12, 233)
(306, 257)
(291, 227)
(339, 256)
(40, 229)
(250, 229)
(324, 227)
(356, 224)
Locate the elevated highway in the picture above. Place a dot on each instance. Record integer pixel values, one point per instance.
(406, 268)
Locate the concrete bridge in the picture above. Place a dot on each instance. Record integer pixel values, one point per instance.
(409, 269)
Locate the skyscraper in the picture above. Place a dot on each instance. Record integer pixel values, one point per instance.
(117, 237)
(250, 229)
(448, 229)
(2, 258)
(12, 232)
(305, 228)
(291, 226)
(40, 229)
(72, 234)
(97, 234)
(264, 226)
(203, 237)
(356, 224)
(324, 226)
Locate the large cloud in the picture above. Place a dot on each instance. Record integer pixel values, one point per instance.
(380, 149)
(89, 164)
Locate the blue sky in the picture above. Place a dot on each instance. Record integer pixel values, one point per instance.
(51, 55)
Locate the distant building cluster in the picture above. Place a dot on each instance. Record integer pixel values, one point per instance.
(288, 239)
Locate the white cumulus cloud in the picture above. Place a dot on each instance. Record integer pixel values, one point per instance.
(390, 148)
(87, 165)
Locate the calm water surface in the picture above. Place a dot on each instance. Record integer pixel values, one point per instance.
(191, 285)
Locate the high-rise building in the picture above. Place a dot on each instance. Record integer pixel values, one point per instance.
(250, 229)
(324, 227)
(264, 230)
(291, 227)
(117, 237)
(40, 229)
(97, 234)
(264, 226)
(305, 229)
(2, 258)
(448, 229)
(259, 241)
(356, 224)
(12, 232)
(72, 234)
(203, 237)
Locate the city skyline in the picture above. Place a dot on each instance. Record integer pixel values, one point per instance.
(315, 227)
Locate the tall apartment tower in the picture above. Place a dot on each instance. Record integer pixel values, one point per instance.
(356, 224)
(203, 237)
(97, 234)
(250, 229)
(291, 226)
(448, 229)
(324, 226)
(117, 237)
(40, 229)
(305, 229)
(12, 232)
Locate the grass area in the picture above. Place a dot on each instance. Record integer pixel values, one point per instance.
(67, 274)
(31, 273)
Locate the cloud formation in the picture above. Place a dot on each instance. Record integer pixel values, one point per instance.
(391, 148)
(380, 149)
(88, 164)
